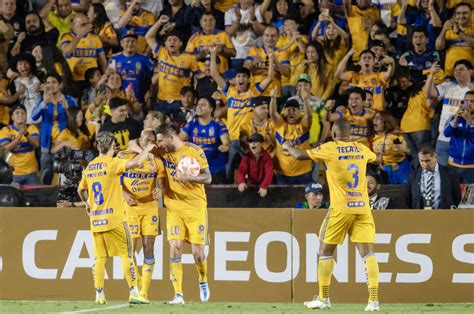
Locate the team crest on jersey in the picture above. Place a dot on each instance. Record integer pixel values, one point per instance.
(138, 66)
(211, 131)
(181, 64)
(154, 219)
(202, 155)
(201, 229)
(374, 81)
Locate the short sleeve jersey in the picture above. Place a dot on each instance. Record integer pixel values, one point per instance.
(101, 179)
(184, 196)
(346, 166)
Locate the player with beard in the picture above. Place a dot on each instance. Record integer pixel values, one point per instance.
(186, 208)
(366, 78)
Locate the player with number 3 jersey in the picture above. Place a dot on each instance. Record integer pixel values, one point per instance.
(346, 164)
(100, 190)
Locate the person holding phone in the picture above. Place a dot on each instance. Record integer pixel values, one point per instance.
(460, 130)
(391, 149)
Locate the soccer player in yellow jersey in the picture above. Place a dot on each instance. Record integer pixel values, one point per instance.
(346, 164)
(186, 208)
(366, 78)
(458, 36)
(258, 58)
(174, 68)
(239, 103)
(82, 49)
(100, 191)
(200, 43)
(141, 186)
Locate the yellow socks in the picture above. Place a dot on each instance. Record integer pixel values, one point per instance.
(176, 268)
(372, 272)
(202, 270)
(325, 269)
(98, 271)
(130, 271)
(147, 272)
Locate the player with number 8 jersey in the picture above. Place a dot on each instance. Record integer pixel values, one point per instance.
(101, 192)
(345, 162)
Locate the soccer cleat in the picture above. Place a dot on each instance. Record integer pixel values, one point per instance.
(318, 303)
(138, 299)
(100, 296)
(178, 299)
(144, 295)
(373, 306)
(204, 291)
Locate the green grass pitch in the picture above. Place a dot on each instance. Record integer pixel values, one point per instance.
(217, 307)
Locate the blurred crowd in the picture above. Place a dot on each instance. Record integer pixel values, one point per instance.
(239, 78)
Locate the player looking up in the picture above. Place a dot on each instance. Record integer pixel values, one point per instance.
(346, 164)
(100, 191)
(141, 187)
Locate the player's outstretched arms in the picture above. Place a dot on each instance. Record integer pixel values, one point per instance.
(295, 152)
(204, 177)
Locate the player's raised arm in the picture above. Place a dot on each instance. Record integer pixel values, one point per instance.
(295, 152)
(139, 159)
(271, 71)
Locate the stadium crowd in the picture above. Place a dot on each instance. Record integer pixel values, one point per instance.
(239, 78)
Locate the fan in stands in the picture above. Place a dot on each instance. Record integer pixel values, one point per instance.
(189, 166)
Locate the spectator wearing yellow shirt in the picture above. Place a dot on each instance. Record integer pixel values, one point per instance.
(416, 121)
(335, 42)
(293, 127)
(316, 66)
(295, 45)
(83, 50)
(6, 100)
(366, 78)
(174, 69)
(458, 36)
(61, 18)
(391, 148)
(199, 44)
(239, 99)
(354, 113)
(360, 18)
(102, 27)
(21, 140)
(258, 58)
(75, 136)
(138, 21)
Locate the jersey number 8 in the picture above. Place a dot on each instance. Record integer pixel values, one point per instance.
(98, 196)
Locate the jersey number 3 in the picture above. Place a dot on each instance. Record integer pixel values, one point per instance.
(98, 196)
(355, 176)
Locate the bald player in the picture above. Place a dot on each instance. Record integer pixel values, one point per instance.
(345, 162)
